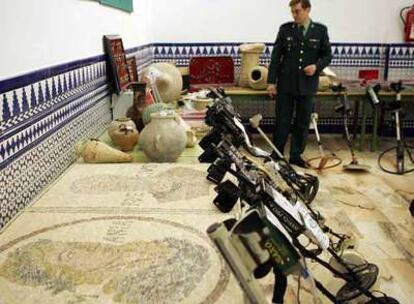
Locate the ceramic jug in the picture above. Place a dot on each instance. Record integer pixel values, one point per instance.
(163, 139)
(114, 125)
(125, 137)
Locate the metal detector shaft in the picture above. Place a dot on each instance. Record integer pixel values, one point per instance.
(346, 112)
(255, 121)
(348, 139)
(318, 138)
(269, 142)
(400, 144)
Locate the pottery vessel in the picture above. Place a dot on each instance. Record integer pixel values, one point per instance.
(125, 137)
(201, 103)
(258, 78)
(116, 123)
(191, 138)
(94, 151)
(325, 83)
(168, 81)
(250, 56)
(156, 107)
(163, 139)
(139, 104)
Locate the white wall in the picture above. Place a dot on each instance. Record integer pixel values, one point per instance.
(247, 20)
(41, 33)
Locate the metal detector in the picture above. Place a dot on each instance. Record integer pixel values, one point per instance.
(325, 161)
(399, 150)
(344, 108)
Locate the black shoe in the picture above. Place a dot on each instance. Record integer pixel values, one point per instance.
(298, 162)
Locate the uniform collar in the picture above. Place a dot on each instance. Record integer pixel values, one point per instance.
(307, 24)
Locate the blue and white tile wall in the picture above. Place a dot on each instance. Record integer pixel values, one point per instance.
(400, 62)
(143, 56)
(43, 115)
(393, 62)
(348, 59)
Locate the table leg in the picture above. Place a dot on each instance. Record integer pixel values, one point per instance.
(355, 122)
(374, 139)
(363, 124)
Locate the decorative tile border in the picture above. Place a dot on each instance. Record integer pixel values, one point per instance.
(43, 115)
(348, 58)
(26, 177)
(400, 62)
(16, 141)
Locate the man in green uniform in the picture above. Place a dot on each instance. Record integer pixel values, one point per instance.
(301, 51)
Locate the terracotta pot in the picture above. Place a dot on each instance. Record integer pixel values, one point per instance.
(126, 137)
(115, 124)
(163, 139)
(258, 78)
(94, 151)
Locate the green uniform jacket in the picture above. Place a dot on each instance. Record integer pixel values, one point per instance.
(292, 52)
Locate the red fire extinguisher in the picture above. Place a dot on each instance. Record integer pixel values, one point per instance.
(408, 21)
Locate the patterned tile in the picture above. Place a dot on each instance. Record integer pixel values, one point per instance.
(42, 116)
(348, 58)
(401, 62)
(41, 165)
(20, 104)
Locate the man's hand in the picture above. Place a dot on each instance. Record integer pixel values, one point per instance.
(271, 90)
(310, 70)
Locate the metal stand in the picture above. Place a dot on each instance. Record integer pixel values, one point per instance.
(401, 147)
(344, 108)
(399, 150)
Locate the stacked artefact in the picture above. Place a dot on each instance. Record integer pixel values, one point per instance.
(251, 73)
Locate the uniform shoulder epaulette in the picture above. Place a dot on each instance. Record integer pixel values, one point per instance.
(287, 24)
(319, 25)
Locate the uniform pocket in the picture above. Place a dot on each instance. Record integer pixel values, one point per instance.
(313, 43)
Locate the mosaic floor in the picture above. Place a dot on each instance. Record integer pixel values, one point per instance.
(135, 233)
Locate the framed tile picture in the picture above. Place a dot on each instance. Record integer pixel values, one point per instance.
(118, 68)
(132, 69)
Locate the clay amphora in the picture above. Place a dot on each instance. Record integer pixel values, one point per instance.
(163, 139)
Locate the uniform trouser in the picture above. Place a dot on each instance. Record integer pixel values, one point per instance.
(286, 105)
